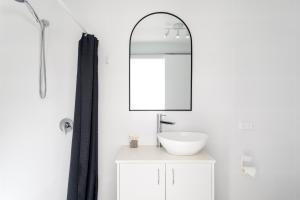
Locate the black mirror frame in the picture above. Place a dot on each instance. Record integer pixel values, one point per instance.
(191, 98)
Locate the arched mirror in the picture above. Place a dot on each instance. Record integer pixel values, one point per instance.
(160, 68)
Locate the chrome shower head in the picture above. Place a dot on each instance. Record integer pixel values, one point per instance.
(31, 9)
(20, 1)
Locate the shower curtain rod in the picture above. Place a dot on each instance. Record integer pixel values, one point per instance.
(69, 12)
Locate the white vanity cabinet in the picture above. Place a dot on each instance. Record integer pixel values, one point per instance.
(189, 181)
(149, 173)
(141, 181)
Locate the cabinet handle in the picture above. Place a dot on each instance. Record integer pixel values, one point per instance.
(173, 176)
(158, 176)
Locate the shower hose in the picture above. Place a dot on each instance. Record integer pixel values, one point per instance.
(42, 70)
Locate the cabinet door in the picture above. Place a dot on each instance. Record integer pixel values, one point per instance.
(141, 182)
(189, 182)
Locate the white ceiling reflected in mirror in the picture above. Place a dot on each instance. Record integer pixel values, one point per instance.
(160, 64)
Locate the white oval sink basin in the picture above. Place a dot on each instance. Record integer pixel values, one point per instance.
(182, 143)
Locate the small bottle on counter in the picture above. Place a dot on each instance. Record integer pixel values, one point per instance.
(133, 141)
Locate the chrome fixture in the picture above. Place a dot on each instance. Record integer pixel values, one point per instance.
(177, 34)
(178, 27)
(66, 125)
(187, 35)
(160, 121)
(43, 25)
(167, 33)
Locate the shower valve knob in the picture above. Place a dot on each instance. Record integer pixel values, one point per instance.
(66, 125)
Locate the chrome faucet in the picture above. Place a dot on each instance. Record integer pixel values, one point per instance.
(160, 121)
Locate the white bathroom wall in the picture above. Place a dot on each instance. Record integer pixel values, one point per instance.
(245, 70)
(267, 67)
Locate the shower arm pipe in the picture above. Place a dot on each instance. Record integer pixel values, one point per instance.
(69, 12)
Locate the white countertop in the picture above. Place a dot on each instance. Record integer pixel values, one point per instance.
(154, 154)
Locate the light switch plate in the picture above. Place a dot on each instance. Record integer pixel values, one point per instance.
(246, 125)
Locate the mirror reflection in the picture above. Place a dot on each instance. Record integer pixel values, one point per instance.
(160, 64)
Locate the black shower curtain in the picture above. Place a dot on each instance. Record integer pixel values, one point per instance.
(83, 176)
